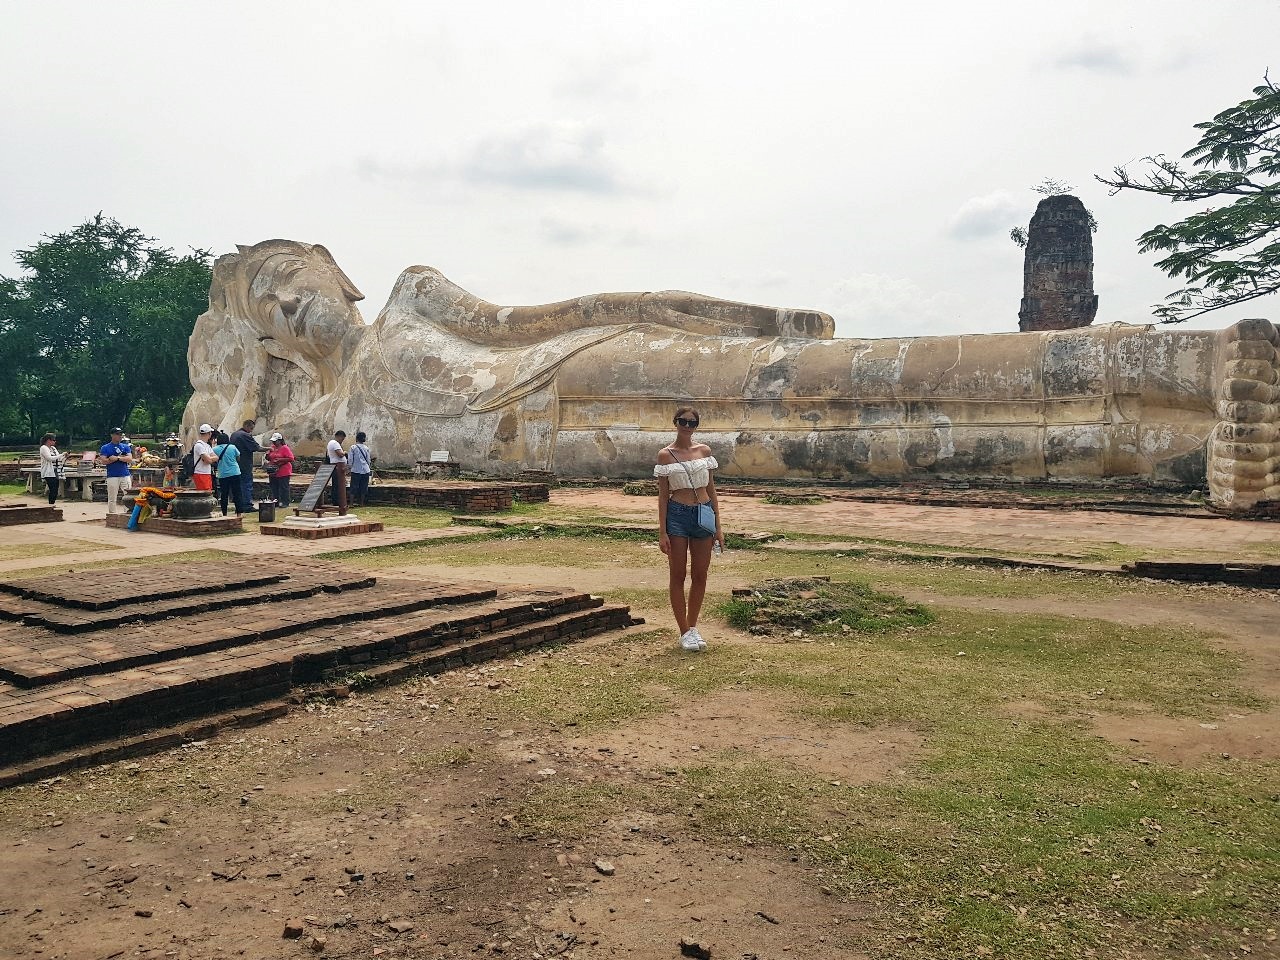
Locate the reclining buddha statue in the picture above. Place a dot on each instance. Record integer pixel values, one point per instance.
(586, 387)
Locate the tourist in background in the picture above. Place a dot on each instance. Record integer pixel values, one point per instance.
(246, 446)
(360, 463)
(51, 464)
(279, 464)
(338, 457)
(117, 454)
(228, 471)
(688, 521)
(203, 457)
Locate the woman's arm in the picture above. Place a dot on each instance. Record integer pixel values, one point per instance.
(664, 492)
(715, 505)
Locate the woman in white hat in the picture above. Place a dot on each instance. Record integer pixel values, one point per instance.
(279, 461)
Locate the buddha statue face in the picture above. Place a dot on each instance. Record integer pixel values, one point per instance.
(296, 295)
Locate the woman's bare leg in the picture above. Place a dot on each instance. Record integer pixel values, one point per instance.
(700, 548)
(677, 561)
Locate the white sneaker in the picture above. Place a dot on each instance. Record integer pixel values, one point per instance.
(689, 642)
(693, 632)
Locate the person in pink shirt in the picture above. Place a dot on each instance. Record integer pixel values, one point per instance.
(279, 461)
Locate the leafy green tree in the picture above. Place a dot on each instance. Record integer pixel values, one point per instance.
(1227, 253)
(98, 323)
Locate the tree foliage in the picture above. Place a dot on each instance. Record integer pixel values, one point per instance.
(97, 325)
(1228, 254)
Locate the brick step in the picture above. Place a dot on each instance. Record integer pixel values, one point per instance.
(64, 658)
(415, 633)
(114, 589)
(567, 626)
(39, 613)
(86, 710)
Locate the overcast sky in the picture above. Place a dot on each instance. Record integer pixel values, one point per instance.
(863, 159)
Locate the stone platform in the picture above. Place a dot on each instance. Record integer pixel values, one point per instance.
(462, 496)
(179, 528)
(319, 531)
(14, 512)
(113, 654)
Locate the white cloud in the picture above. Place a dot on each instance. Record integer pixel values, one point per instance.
(989, 215)
(1095, 56)
(877, 305)
(565, 232)
(566, 156)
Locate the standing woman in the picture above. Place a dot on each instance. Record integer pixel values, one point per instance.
(687, 528)
(279, 460)
(51, 462)
(227, 467)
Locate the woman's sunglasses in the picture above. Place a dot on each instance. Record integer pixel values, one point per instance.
(681, 421)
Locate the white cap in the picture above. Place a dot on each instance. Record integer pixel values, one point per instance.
(205, 428)
(277, 436)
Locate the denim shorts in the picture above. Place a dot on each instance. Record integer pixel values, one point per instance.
(682, 521)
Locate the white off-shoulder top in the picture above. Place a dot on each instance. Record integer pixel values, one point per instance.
(694, 478)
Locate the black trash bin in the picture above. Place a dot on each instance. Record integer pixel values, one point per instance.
(266, 511)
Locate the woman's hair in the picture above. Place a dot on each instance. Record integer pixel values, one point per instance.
(360, 437)
(47, 437)
(684, 411)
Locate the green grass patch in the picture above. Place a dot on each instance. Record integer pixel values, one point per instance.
(820, 607)
(412, 518)
(570, 546)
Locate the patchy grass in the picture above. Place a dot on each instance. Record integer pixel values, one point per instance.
(524, 545)
(946, 578)
(25, 551)
(452, 756)
(1023, 838)
(413, 518)
(793, 499)
(805, 605)
(194, 556)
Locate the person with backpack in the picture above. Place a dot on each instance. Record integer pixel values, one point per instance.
(360, 464)
(203, 459)
(228, 470)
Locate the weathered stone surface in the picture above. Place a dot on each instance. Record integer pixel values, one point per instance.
(1057, 268)
(587, 387)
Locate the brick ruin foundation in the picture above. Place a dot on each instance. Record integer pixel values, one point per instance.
(107, 655)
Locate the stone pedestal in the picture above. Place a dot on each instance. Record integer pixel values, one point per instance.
(179, 528)
(318, 528)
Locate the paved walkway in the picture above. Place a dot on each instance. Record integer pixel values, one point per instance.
(1018, 531)
(82, 537)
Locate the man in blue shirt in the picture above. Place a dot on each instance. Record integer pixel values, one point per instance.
(246, 446)
(117, 455)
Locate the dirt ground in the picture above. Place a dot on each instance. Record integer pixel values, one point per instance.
(393, 823)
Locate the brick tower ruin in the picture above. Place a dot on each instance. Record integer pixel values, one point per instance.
(1057, 273)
